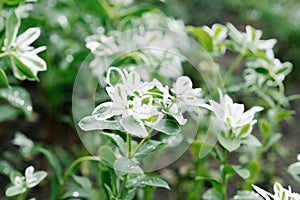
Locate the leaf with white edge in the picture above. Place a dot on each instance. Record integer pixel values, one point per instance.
(231, 144)
(12, 27)
(24, 69)
(251, 140)
(117, 140)
(7, 113)
(134, 127)
(114, 76)
(28, 37)
(83, 181)
(90, 123)
(127, 166)
(172, 140)
(294, 171)
(37, 177)
(266, 195)
(14, 190)
(103, 111)
(166, 126)
(204, 38)
(271, 141)
(3, 78)
(17, 97)
(154, 182)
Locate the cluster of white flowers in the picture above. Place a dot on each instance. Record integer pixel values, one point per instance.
(137, 104)
(26, 145)
(23, 183)
(232, 116)
(280, 193)
(155, 49)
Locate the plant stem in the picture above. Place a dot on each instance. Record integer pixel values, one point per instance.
(225, 162)
(233, 66)
(123, 187)
(129, 145)
(139, 146)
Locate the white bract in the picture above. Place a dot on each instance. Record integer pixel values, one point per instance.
(24, 59)
(233, 116)
(136, 104)
(26, 145)
(22, 183)
(250, 40)
(280, 193)
(298, 157)
(218, 34)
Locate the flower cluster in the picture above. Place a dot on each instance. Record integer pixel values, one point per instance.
(235, 120)
(143, 32)
(23, 183)
(137, 104)
(280, 193)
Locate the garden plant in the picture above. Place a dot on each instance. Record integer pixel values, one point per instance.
(115, 99)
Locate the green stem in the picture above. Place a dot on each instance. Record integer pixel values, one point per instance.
(233, 66)
(123, 187)
(139, 146)
(294, 97)
(225, 182)
(129, 145)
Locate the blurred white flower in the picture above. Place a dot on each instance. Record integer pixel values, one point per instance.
(24, 59)
(233, 115)
(250, 40)
(280, 193)
(22, 183)
(26, 145)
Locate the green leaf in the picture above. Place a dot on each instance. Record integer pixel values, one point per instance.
(53, 161)
(127, 166)
(14, 190)
(271, 141)
(166, 126)
(217, 185)
(7, 113)
(17, 97)
(284, 114)
(24, 69)
(76, 193)
(118, 141)
(204, 38)
(90, 123)
(134, 11)
(12, 27)
(231, 144)
(82, 181)
(5, 168)
(228, 171)
(202, 148)
(245, 130)
(107, 155)
(3, 78)
(264, 127)
(103, 111)
(251, 140)
(154, 182)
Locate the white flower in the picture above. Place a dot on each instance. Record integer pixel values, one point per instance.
(280, 193)
(250, 40)
(24, 59)
(25, 144)
(298, 157)
(233, 115)
(22, 183)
